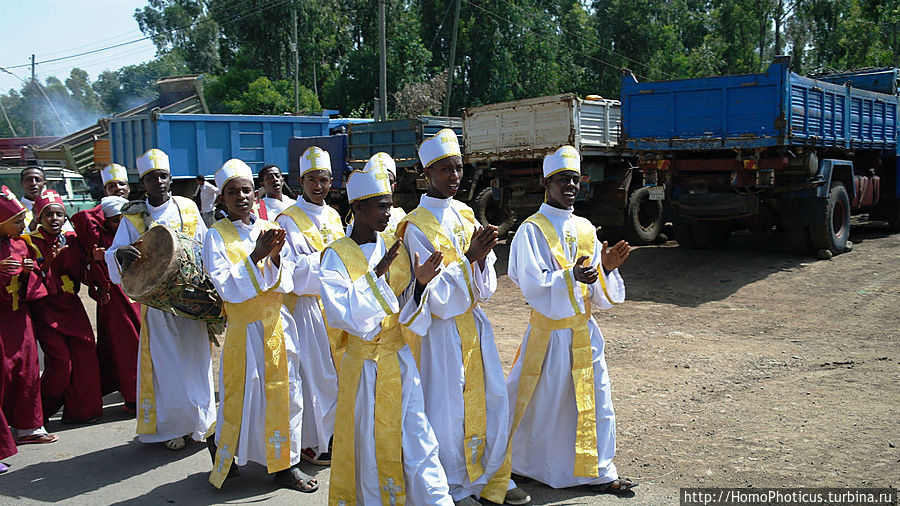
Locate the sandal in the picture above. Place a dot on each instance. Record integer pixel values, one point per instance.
(295, 479)
(36, 439)
(319, 459)
(3, 468)
(618, 486)
(175, 443)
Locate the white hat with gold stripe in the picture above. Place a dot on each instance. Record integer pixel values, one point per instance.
(153, 159)
(564, 158)
(113, 172)
(231, 169)
(372, 180)
(444, 144)
(314, 158)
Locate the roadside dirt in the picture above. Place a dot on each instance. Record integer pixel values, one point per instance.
(750, 366)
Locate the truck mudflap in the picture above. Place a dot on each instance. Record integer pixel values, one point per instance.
(715, 205)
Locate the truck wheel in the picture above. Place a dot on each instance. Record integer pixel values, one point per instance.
(488, 212)
(710, 234)
(834, 228)
(683, 234)
(644, 218)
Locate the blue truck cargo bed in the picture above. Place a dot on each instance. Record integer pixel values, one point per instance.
(201, 143)
(771, 109)
(398, 138)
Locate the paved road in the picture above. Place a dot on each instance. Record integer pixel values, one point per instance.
(105, 464)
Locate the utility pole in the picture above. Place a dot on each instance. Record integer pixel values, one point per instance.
(452, 61)
(382, 61)
(33, 104)
(294, 48)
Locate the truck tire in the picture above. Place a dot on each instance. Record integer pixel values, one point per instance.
(710, 234)
(833, 229)
(683, 234)
(644, 218)
(488, 212)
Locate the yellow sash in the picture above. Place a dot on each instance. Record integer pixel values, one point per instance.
(586, 456)
(388, 395)
(331, 225)
(146, 419)
(473, 366)
(265, 307)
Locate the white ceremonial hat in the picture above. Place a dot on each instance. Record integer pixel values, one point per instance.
(372, 180)
(113, 172)
(444, 144)
(112, 205)
(314, 158)
(564, 158)
(153, 159)
(231, 169)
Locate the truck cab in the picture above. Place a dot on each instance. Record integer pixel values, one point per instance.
(70, 185)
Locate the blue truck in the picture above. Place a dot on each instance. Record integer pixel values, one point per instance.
(755, 151)
(201, 143)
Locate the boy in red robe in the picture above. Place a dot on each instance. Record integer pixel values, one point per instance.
(118, 317)
(20, 395)
(71, 377)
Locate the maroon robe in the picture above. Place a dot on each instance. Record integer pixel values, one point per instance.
(71, 377)
(21, 393)
(118, 318)
(7, 440)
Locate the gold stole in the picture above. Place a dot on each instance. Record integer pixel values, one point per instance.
(473, 366)
(331, 221)
(265, 307)
(388, 393)
(586, 455)
(146, 419)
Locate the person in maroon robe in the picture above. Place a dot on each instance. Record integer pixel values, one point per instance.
(71, 377)
(118, 317)
(20, 285)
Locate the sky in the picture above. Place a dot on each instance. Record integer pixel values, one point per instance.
(55, 29)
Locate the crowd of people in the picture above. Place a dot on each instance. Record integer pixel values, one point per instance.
(361, 347)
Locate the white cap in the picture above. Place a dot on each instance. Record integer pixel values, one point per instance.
(564, 158)
(444, 144)
(112, 206)
(372, 180)
(153, 159)
(314, 158)
(113, 172)
(231, 169)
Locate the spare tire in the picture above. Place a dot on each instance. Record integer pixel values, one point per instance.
(488, 212)
(644, 217)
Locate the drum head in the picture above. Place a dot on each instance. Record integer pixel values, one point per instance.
(157, 257)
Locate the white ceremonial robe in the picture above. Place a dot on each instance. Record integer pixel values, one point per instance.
(320, 381)
(275, 206)
(544, 443)
(179, 349)
(234, 284)
(352, 306)
(440, 362)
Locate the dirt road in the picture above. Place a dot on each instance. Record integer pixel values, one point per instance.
(750, 366)
(742, 367)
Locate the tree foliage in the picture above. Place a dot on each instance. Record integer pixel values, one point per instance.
(505, 50)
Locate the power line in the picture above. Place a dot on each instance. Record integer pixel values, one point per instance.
(81, 54)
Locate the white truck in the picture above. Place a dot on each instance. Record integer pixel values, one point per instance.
(506, 144)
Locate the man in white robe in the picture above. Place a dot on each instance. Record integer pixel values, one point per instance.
(559, 438)
(267, 431)
(311, 225)
(362, 278)
(178, 403)
(463, 381)
(397, 213)
(274, 201)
